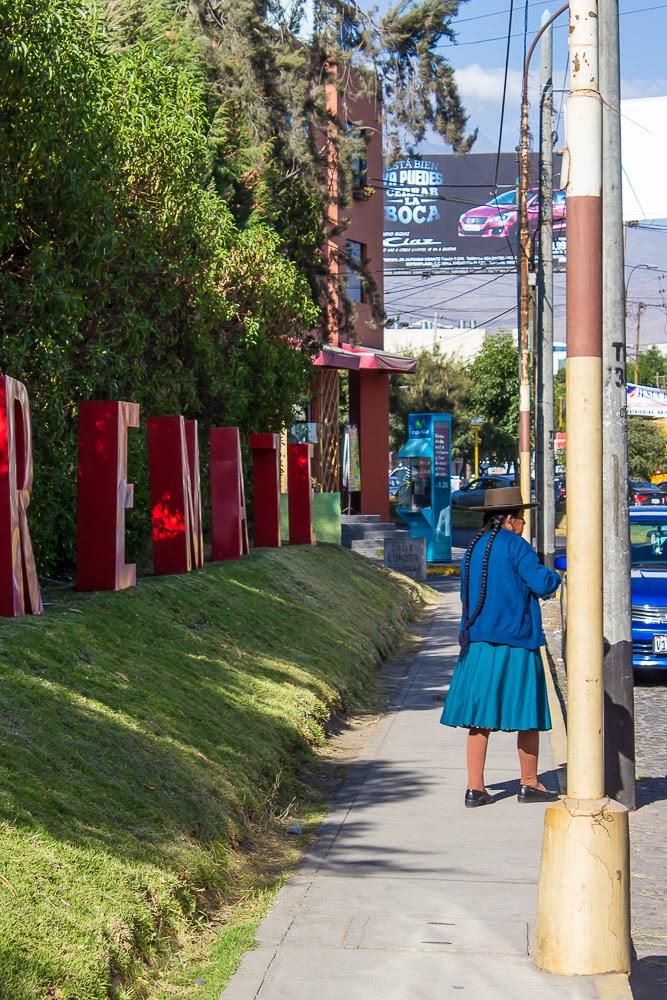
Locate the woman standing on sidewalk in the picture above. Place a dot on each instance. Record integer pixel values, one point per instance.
(499, 683)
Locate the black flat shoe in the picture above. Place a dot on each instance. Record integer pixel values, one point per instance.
(474, 798)
(529, 794)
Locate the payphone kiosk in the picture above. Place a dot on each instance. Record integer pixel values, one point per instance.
(428, 510)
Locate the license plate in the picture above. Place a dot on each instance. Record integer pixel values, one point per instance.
(660, 643)
(472, 227)
(654, 500)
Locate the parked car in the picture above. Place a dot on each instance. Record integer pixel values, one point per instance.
(648, 586)
(648, 554)
(469, 496)
(560, 493)
(645, 494)
(398, 479)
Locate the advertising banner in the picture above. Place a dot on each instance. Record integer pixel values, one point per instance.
(351, 459)
(644, 149)
(646, 401)
(459, 214)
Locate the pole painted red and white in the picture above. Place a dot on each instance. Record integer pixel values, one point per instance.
(583, 909)
(585, 654)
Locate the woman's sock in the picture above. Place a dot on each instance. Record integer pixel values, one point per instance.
(528, 745)
(478, 740)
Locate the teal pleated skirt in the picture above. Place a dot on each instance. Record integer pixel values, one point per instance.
(498, 687)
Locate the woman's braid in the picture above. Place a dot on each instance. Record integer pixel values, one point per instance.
(494, 524)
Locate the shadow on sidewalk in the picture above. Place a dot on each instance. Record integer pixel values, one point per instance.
(509, 789)
(651, 790)
(648, 978)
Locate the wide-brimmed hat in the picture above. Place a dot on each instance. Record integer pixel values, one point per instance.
(502, 498)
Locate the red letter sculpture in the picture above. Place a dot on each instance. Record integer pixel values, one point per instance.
(229, 534)
(266, 488)
(104, 496)
(19, 589)
(173, 462)
(300, 494)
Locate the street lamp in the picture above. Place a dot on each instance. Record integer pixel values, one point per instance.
(524, 283)
(641, 308)
(476, 424)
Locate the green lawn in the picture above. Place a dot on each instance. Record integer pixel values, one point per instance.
(153, 753)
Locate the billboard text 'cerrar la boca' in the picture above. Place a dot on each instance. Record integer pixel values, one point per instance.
(460, 214)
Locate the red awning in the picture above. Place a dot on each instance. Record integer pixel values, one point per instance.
(334, 357)
(350, 357)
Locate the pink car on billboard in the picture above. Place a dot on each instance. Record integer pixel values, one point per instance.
(499, 216)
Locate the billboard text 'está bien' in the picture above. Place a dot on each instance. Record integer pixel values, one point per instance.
(460, 214)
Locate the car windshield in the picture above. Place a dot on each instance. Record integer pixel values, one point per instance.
(648, 542)
(508, 198)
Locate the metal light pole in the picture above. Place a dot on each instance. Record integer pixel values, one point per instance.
(524, 284)
(583, 908)
(476, 424)
(545, 515)
(641, 308)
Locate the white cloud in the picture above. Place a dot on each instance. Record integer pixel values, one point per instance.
(631, 89)
(485, 86)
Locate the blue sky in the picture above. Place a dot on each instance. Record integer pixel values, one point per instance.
(479, 59)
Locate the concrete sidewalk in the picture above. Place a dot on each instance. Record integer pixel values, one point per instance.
(408, 895)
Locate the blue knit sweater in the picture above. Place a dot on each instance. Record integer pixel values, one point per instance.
(516, 578)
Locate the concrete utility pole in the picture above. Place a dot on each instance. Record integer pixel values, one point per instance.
(583, 908)
(619, 702)
(544, 389)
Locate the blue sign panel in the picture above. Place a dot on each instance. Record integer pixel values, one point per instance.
(428, 452)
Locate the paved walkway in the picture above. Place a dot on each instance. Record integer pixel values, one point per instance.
(408, 895)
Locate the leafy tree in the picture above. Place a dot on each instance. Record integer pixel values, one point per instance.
(647, 448)
(439, 385)
(417, 84)
(267, 103)
(651, 369)
(122, 272)
(494, 395)
(560, 415)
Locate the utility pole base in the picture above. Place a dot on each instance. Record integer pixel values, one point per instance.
(583, 903)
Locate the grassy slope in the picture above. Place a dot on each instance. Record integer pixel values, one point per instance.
(149, 741)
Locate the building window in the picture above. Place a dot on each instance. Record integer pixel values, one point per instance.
(355, 254)
(358, 162)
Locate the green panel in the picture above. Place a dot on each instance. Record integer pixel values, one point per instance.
(326, 517)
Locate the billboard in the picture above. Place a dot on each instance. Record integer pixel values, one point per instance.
(644, 148)
(459, 214)
(646, 401)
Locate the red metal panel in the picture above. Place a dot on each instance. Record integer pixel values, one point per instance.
(194, 495)
(229, 524)
(19, 587)
(300, 494)
(266, 488)
(175, 499)
(369, 408)
(104, 495)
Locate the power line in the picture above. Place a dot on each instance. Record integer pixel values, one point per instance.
(501, 38)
